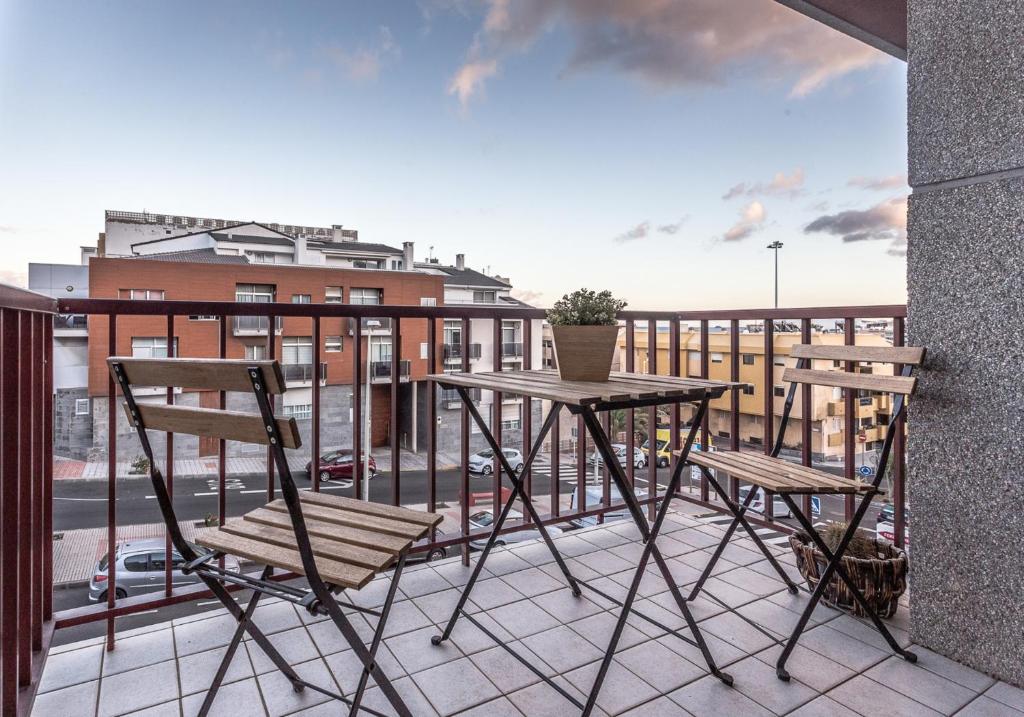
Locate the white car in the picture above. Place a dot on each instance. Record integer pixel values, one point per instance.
(483, 461)
(485, 518)
(639, 457)
(779, 507)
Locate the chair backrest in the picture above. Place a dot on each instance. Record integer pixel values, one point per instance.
(210, 375)
(903, 383)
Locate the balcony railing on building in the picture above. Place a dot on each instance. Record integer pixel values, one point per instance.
(380, 371)
(511, 349)
(449, 397)
(372, 325)
(64, 324)
(254, 325)
(453, 352)
(302, 373)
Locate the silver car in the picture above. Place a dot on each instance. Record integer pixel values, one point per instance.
(139, 568)
(483, 461)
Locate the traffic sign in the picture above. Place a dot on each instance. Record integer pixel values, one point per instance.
(865, 471)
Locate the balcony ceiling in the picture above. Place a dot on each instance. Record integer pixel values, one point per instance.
(880, 23)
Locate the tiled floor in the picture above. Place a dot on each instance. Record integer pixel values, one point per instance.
(842, 667)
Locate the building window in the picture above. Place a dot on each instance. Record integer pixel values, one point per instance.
(367, 264)
(748, 390)
(299, 412)
(380, 351)
(81, 406)
(748, 359)
(297, 350)
(484, 297)
(779, 361)
(302, 299)
(141, 294)
(255, 352)
(151, 346)
(365, 296)
(260, 257)
(837, 364)
(332, 295)
(332, 344)
(428, 301)
(396, 265)
(254, 293)
(716, 358)
(452, 333)
(779, 391)
(201, 317)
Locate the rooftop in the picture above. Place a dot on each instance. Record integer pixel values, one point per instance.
(842, 666)
(195, 256)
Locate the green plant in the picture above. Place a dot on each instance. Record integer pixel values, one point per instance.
(140, 465)
(586, 307)
(861, 545)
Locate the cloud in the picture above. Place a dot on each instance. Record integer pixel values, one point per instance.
(895, 181)
(527, 296)
(640, 231)
(470, 78)
(364, 64)
(885, 221)
(13, 278)
(7, 229)
(780, 184)
(677, 43)
(672, 228)
(751, 220)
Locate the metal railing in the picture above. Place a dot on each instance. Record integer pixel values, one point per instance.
(373, 325)
(511, 349)
(453, 352)
(73, 322)
(253, 325)
(302, 372)
(26, 348)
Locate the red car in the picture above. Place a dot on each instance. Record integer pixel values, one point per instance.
(338, 465)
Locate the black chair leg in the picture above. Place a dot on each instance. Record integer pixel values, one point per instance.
(378, 635)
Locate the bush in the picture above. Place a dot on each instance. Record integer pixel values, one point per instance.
(585, 307)
(140, 465)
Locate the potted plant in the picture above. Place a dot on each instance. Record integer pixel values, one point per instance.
(585, 328)
(877, 567)
(139, 466)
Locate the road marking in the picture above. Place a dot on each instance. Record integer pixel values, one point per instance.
(145, 612)
(254, 490)
(208, 602)
(198, 494)
(79, 499)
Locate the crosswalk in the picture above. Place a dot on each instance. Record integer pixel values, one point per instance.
(768, 535)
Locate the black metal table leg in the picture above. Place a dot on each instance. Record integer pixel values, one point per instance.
(518, 492)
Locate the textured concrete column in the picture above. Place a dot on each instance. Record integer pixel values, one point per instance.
(966, 305)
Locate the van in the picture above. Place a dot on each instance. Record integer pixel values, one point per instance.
(663, 437)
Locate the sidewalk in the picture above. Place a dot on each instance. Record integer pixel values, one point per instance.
(67, 469)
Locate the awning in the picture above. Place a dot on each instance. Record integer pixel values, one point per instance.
(879, 23)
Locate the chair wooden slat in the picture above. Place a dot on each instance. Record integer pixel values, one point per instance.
(206, 374)
(214, 423)
(848, 379)
(408, 531)
(406, 515)
(332, 571)
(352, 536)
(776, 474)
(322, 546)
(908, 355)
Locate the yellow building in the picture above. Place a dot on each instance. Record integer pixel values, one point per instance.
(827, 406)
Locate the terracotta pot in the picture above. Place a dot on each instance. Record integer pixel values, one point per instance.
(584, 353)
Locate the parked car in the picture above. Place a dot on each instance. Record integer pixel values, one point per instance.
(427, 556)
(139, 568)
(485, 518)
(621, 451)
(779, 507)
(483, 461)
(888, 514)
(337, 465)
(885, 526)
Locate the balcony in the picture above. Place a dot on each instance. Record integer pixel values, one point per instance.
(156, 663)
(254, 325)
(301, 374)
(453, 352)
(449, 398)
(370, 326)
(380, 371)
(511, 349)
(70, 325)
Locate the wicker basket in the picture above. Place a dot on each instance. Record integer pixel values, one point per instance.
(882, 579)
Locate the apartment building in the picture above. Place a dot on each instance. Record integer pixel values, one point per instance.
(462, 286)
(827, 406)
(154, 256)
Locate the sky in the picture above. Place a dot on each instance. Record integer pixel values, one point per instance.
(650, 147)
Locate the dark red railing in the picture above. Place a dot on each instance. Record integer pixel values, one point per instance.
(26, 497)
(27, 412)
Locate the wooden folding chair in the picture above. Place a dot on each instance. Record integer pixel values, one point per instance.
(777, 475)
(335, 543)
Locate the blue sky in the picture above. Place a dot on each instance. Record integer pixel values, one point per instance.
(562, 143)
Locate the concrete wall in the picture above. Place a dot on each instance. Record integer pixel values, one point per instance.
(966, 302)
(72, 433)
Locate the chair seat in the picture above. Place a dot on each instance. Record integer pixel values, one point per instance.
(352, 540)
(775, 474)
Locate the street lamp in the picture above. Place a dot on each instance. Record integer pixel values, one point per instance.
(775, 246)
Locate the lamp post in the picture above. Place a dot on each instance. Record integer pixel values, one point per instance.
(775, 246)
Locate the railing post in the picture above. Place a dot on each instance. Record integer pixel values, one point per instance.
(652, 424)
(849, 440)
(22, 513)
(272, 355)
(673, 431)
(47, 546)
(496, 430)
(705, 358)
(630, 415)
(222, 454)
(39, 370)
(394, 432)
(464, 448)
(9, 538)
(806, 416)
(734, 400)
(169, 469)
(769, 407)
(526, 415)
(899, 459)
(357, 405)
(111, 479)
(314, 439)
(432, 421)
